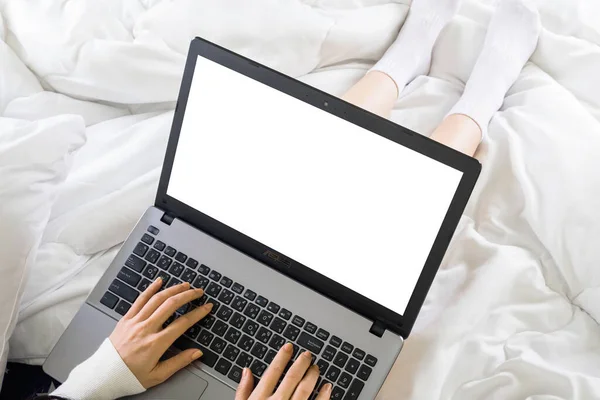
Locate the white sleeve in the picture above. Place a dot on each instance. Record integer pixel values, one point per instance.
(103, 376)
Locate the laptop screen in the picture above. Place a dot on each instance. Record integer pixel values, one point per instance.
(349, 204)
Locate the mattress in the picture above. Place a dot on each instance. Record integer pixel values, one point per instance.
(513, 312)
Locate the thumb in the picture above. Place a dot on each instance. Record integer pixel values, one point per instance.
(245, 386)
(165, 369)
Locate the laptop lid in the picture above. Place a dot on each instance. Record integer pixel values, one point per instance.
(345, 202)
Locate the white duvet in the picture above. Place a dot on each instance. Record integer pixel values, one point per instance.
(514, 310)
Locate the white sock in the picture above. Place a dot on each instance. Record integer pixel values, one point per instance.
(510, 40)
(410, 55)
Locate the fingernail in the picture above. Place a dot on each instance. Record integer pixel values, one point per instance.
(245, 372)
(159, 279)
(327, 387)
(307, 354)
(209, 305)
(199, 290)
(287, 347)
(197, 354)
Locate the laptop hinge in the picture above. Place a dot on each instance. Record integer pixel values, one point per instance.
(167, 218)
(378, 328)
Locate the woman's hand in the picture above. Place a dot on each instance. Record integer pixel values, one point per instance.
(297, 384)
(140, 339)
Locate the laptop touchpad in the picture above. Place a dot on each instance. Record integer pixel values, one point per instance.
(184, 385)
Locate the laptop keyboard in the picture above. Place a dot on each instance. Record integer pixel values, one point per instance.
(244, 329)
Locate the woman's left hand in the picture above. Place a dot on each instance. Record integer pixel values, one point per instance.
(141, 341)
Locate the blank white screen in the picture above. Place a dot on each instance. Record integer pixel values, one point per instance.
(353, 206)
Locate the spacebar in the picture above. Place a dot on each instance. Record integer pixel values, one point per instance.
(208, 357)
(310, 343)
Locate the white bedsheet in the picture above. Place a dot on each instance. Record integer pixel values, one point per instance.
(514, 310)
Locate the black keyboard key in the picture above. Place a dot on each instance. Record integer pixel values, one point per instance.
(237, 288)
(250, 327)
(150, 272)
(165, 278)
(370, 360)
(225, 281)
(332, 373)
(218, 345)
(223, 366)
(244, 360)
(335, 341)
(340, 359)
(237, 320)
(215, 306)
(135, 263)
(203, 269)
(180, 257)
(176, 269)
(262, 301)
(219, 328)
(347, 347)
(235, 374)
(322, 334)
(273, 307)
(258, 350)
(231, 353)
(310, 342)
(170, 251)
(147, 239)
(213, 289)
(109, 300)
(250, 295)
(173, 282)
(323, 365)
(310, 327)
(152, 256)
(291, 332)
(239, 303)
(183, 309)
(364, 372)
(265, 318)
(123, 291)
(193, 331)
(200, 282)
(207, 321)
(251, 311)
(276, 342)
(358, 353)
(246, 343)
(270, 356)
(354, 390)
(226, 296)
(191, 263)
(258, 368)
(337, 393)
(225, 313)
(153, 230)
(233, 335)
(352, 365)
(122, 307)
(263, 334)
(164, 262)
(144, 284)
(209, 358)
(278, 325)
(295, 350)
(188, 276)
(329, 353)
(214, 275)
(159, 245)
(128, 276)
(345, 380)
(298, 321)
(285, 314)
(205, 337)
(140, 249)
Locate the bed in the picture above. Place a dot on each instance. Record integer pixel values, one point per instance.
(514, 310)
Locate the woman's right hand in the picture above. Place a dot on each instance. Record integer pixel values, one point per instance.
(298, 383)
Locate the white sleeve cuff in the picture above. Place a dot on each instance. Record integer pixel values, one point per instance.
(103, 376)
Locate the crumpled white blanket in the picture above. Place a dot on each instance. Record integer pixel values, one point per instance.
(514, 310)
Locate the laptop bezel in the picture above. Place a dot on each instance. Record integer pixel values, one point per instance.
(398, 323)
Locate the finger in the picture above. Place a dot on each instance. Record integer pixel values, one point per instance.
(170, 305)
(294, 376)
(325, 392)
(160, 298)
(244, 389)
(271, 376)
(183, 323)
(143, 298)
(307, 384)
(165, 369)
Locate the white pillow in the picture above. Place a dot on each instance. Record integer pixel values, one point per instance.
(34, 161)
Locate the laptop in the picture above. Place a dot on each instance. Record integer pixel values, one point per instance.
(306, 219)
